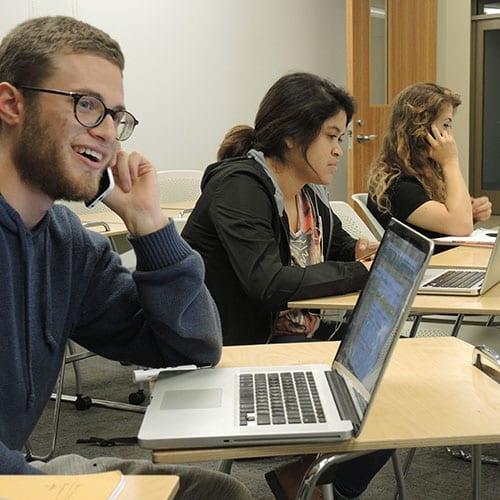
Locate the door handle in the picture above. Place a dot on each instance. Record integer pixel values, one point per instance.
(366, 138)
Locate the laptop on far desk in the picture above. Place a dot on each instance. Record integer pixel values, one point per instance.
(220, 407)
(447, 281)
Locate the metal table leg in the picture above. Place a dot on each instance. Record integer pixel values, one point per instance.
(476, 472)
(414, 327)
(457, 325)
(225, 466)
(400, 477)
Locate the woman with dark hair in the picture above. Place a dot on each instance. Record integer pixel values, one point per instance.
(267, 235)
(416, 177)
(263, 224)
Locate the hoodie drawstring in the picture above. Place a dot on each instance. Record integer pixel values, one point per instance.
(47, 327)
(27, 315)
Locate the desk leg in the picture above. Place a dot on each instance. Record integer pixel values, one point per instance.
(414, 327)
(457, 325)
(400, 476)
(318, 467)
(225, 466)
(476, 472)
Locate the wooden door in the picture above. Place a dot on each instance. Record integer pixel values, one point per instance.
(409, 44)
(486, 110)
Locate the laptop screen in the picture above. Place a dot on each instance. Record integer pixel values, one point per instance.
(382, 308)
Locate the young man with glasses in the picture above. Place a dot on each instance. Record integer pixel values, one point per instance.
(62, 114)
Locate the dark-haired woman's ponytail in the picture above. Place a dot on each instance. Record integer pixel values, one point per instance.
(237, 142)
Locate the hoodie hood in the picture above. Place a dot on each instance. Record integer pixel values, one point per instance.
(320, 191)
(242, 163)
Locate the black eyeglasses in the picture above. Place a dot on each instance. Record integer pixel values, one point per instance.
(90, 111)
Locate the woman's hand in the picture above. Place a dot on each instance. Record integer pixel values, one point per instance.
(443, 147)
(481, 208)
(365, 250)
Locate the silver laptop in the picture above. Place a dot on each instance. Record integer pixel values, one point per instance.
(455, 281)
(218, 407)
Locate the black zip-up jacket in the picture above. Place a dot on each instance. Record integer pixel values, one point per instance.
(243, 239)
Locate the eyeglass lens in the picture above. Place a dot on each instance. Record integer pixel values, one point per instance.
(90, 112)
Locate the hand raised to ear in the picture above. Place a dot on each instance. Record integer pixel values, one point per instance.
(442, 146)
(136, 197)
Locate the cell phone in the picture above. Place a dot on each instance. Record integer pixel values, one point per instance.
(106, 185)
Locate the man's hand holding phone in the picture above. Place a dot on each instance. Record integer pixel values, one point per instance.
(136, 197)
(106, 185)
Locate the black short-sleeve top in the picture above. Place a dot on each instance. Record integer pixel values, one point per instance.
(405, 195)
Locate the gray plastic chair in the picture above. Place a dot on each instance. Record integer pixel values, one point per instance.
(351, 221)
(179, 185)
(361, 199)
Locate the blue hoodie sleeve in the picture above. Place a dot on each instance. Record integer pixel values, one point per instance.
(162, 315)
(13, 462)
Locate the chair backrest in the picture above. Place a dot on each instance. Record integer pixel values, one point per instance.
(129, 259)
(351, 221)
(361, 200)
(79, 208)
(175, 186)
(179, 185)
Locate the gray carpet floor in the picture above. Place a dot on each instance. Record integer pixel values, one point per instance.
(433, 475)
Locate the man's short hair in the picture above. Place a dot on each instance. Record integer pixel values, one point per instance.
(26, 52)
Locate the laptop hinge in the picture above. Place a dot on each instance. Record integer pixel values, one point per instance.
(343, 399)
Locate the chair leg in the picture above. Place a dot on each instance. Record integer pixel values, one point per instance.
(55, 421)
(327, 491)
(76, 369)
(84, 402)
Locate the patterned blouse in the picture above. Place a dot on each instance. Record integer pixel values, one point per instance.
(305, 249)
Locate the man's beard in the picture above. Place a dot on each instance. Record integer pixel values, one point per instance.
(40, 163)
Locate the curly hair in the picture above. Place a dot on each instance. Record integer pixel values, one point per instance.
(405, 148)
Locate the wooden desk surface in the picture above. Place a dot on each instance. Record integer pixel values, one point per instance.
(488, 303)
(462, 257)
(152, 487)
(155, 487)
(116, 225)
(431, 395)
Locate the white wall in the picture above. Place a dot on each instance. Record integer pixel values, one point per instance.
(453, 66)
(195, 68)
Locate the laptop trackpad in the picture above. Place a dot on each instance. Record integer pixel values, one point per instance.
(188, 399)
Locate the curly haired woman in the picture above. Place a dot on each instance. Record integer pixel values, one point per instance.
(416, 176)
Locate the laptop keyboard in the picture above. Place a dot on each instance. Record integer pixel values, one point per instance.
(279, 398)
(456, 279)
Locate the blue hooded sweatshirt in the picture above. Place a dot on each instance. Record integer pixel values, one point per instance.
(60, 280)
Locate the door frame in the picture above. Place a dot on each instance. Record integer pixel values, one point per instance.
(480, 24)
